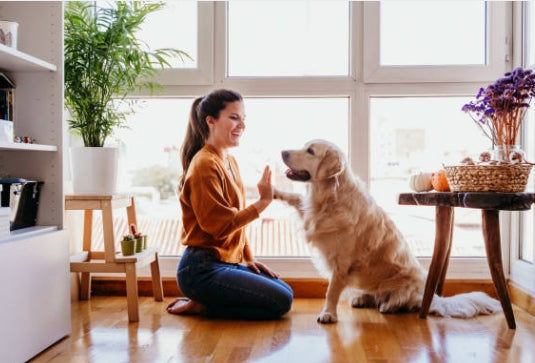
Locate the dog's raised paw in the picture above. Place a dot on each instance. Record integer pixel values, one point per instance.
(327, 318)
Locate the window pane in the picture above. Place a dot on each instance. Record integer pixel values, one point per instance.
(174, 26)
(420, 134)
(433, 32)
(273, 125)
(288, 38)
(150, 166)
(530, 31)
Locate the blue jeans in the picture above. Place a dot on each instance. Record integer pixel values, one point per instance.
(231, 290)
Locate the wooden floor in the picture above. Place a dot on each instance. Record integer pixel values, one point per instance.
(101, 334)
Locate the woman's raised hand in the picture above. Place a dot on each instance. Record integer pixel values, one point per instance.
(265, 189)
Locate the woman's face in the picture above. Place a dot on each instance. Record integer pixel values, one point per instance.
(226, 130)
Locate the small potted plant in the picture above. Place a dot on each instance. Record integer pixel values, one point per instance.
(128, 245)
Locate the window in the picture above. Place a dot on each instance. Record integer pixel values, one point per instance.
(334, 70)
(150, 164)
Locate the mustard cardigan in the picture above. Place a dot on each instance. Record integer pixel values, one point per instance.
(214, 215)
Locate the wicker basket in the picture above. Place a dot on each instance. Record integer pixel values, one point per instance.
(488, 178)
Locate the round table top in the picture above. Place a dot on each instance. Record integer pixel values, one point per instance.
(479, 200)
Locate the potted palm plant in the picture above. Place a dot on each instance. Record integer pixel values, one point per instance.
(104, 62)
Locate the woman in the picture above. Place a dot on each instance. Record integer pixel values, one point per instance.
(218, 273)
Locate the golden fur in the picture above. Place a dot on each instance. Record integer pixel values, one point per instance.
(360, 245)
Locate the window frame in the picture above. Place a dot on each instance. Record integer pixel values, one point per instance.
(361, 83)
(521, 272)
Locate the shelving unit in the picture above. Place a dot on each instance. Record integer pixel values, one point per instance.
(34, 262)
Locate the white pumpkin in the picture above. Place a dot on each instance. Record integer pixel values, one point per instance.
(421, 182)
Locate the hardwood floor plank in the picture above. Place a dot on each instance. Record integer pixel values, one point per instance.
(101, 334)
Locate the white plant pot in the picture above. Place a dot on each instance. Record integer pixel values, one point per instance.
(94, 170)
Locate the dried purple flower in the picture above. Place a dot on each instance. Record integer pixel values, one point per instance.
(500, 107)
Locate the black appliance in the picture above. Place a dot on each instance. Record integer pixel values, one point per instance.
(22, 196)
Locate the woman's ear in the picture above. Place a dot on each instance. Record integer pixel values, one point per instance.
(210, 121)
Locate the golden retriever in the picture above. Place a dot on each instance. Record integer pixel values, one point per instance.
(359, 245)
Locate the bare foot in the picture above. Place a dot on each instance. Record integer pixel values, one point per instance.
(185, 306)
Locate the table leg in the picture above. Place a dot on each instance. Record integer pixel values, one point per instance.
(443, 228)
(491, 234)
(440, 285)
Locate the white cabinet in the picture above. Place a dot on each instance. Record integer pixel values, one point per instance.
(34, 263)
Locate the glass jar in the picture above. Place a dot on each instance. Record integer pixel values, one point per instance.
(508, 153)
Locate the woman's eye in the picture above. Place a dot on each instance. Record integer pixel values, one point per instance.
(310, 151)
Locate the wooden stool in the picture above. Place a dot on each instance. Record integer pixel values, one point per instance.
(490, 204)
(109, 260)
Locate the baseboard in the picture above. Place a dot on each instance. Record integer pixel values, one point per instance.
(116, 286)
(302, 287)
(521, 298)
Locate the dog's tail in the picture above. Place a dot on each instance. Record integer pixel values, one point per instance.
(464, 305)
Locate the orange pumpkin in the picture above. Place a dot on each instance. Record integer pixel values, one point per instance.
(439, 181)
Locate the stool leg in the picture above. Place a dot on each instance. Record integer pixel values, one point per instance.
(85, 285)
(157, 289)
(491, 234)
(443, 222)
(131, 292)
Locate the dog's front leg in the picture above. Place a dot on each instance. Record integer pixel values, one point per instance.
(328, 315)
(293, 199)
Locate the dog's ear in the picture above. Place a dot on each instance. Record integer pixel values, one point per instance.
(330, 166)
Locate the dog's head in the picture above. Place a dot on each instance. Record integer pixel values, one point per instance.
(317, 160)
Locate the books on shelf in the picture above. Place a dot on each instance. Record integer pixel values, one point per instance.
(7, 90)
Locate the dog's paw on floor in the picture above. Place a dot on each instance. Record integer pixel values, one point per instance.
(327, 318)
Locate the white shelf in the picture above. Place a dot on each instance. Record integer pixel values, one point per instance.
(28, 232)
(14, 60)
(6, 146)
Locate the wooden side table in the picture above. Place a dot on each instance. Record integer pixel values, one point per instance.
(109, 260)
(490, 204)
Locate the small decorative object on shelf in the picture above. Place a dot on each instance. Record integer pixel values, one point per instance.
(128, 245)
(7, 95)
(421, 182)
(8, 33)
(499, 111)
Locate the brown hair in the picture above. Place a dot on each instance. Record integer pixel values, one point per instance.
(197, 131)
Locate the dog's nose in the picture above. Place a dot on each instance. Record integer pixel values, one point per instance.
(285, 154)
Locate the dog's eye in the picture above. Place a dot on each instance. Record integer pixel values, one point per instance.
(310, 151)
